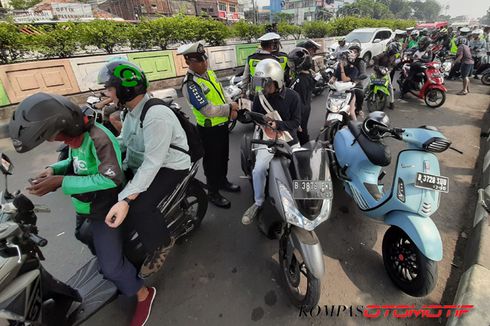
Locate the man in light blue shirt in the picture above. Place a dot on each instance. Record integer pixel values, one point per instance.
(153, 162)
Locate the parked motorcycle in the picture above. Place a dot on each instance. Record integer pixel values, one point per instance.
(30, 295)
(412, 245)
(485, 76)
(428, 82)
(299, 189)
(378, 89)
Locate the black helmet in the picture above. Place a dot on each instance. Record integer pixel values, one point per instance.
(423, 43)
(128, 79)
(299, 59)
(393, 48)
(424, 32)
(376, 118)
(40, 117)
(355, 46)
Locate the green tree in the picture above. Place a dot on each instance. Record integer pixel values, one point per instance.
(106, 35)
(13, 43)
(366, 8)
(58, 40)
(283, 17)
(315, 29)
(247, 31)
(285, 30)
(428, 10)
(23, 4)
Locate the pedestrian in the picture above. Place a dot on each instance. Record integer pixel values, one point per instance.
(213, 111)
(467, 62)
(300, 62)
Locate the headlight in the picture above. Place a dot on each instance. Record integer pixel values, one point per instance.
(335, 105)
(294, 216)
(437, 66)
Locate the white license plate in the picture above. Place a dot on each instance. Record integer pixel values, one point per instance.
(432, 182)
(335, 116)
(308, 189)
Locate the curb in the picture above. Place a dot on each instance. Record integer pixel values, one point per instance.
(474, 285)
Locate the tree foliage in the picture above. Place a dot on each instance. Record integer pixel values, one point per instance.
(13, 43)
(59, 40)
(106, 35)
(23, 4)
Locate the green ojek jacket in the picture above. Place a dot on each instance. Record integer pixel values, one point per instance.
(93, 172)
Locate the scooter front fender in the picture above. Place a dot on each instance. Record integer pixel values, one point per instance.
(421, 230)
(307, 242)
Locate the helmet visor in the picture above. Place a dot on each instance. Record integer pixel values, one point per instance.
(261, 82)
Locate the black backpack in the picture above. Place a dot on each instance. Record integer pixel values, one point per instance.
(196, 149)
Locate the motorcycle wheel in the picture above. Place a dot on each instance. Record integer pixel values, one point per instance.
(195, 205)
(376, 102)
(303, 292)
(485, 79)
(434, 98)
(231, 125)
(407, 267)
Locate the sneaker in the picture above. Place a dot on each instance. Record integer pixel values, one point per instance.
(250, 214)
(143, 309)
(154, 262)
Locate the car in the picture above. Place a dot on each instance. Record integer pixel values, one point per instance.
(373, 41)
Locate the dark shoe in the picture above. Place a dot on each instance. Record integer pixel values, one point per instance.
(218, 200)
(391, 106)
(143, 309)
(230, 187)
(154, 262)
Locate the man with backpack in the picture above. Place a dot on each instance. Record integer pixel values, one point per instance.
(213, 111)
(157, 160)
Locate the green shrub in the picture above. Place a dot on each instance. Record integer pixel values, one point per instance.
(13, 43)
(59, 40)
(285, 30)
(247, 31)
(316, 29)
(106, 35)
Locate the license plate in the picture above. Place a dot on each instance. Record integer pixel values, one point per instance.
(308, 189)
(378, 82)
(335, 116)
(432, 182)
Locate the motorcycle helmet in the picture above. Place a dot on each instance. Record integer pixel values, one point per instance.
(309, 44)
(393, 48)
(376, 118)
(299, 59)
(267, 71)
(354, 52)
(424, 32)
(270, 40)
(342, 41)
(464, 31)
(128, 79)
(42, 116)
(423, 43)
(414, 34)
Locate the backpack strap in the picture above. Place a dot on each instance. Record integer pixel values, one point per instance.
(156, 101)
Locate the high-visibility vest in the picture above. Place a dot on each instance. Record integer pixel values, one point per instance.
(454, 47)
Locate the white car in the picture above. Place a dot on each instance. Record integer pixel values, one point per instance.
(373, 41)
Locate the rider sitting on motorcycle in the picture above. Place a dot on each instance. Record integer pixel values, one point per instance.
(420, 57)
(478, 47)
(388, 59)
(347, 72)
(300, 61)
(414, 39)
(341, 48)
(288, 104)
(92, 175)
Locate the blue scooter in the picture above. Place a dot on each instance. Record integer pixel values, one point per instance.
(412, 245)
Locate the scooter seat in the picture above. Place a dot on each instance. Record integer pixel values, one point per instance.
(377, 152)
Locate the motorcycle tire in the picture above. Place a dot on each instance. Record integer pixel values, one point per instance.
(201, 199)
(376, 102)
(291, 274)
(414, 276)
(429, 93)
(485, 78)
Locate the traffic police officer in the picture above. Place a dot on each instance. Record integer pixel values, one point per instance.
(212, 110)
(270, 49)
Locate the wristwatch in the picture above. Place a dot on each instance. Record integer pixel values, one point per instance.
(127, 200)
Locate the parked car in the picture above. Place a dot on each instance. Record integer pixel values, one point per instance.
(373, 41)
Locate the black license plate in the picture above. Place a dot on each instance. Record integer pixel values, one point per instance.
(432, 182)
(307, 189)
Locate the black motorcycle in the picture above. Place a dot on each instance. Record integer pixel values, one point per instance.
(29, 295)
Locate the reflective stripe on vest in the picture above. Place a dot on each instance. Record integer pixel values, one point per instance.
(214, 94)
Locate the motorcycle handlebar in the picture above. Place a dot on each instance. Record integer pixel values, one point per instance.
(39, 241)
(269, 143)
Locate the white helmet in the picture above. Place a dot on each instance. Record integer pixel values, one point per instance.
(400, 32)
(269, 37)
(477, 32)
(415, 33)
(268, 70)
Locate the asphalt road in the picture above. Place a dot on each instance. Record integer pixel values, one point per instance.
(227, 273)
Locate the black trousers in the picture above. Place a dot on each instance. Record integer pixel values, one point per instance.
(303, 136)
(359, 98)
(216, 151)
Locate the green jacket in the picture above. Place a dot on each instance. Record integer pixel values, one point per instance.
(93, 172)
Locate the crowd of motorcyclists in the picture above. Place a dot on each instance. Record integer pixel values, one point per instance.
(111, 190)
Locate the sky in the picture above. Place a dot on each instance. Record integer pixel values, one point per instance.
(471, 8)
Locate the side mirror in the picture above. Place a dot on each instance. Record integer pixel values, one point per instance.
(6, 165)
(377, 40)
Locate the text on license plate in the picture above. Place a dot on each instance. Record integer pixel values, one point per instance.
(308, 189)
(432, 182)
(335, 116)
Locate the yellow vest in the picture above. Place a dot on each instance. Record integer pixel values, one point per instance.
(454, 47)
(214, 94)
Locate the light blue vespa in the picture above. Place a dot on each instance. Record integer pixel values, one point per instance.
(359, 162)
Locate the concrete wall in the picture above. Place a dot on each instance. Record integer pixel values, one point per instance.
(75, 75)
